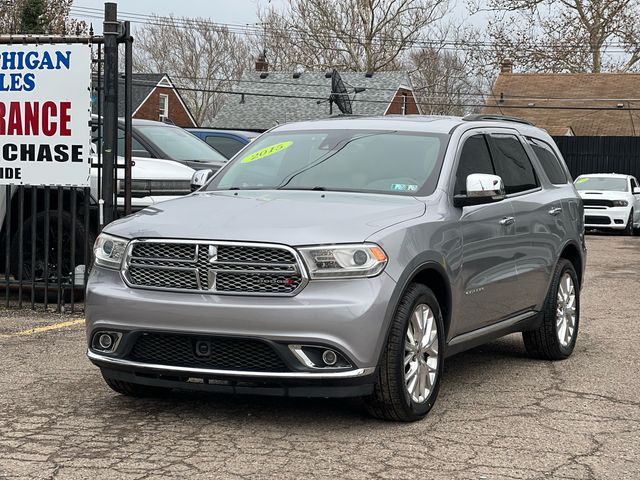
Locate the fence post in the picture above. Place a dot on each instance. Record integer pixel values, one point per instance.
(128, 111)
(110, 120)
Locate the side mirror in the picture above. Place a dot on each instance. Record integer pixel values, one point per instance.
(481, 188)
(636, 190)
(200, 178)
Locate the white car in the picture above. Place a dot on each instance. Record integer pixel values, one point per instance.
(611, 201)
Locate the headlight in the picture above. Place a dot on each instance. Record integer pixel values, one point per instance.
(344, 261)
(620, 203)
(109, 251)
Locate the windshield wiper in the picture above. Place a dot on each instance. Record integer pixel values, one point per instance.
(317, 188)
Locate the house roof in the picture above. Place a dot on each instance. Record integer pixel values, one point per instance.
(263, 112)
(545, 99)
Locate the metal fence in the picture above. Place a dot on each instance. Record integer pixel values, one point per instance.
(47, 236)
(601, 154)
(47, 232)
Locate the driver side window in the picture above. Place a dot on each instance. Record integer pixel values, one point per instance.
(474, 158)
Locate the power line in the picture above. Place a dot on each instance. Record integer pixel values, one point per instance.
(247, 30)
(386, 102)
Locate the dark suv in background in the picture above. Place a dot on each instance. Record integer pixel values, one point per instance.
(346, 257)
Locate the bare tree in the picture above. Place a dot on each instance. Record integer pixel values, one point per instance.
(565, 35)
(55, 18)
(358, 35)
(199, 56)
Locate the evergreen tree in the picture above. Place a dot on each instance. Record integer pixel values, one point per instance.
(31, 18)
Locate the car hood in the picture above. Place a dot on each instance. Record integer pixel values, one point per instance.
(603, 195)
(152, 169)
(287, 217)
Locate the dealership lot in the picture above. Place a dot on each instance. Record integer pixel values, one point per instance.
(499, 414)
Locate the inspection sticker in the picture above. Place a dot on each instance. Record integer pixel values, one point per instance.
(265, 152)
(582, 180)
(402, 187)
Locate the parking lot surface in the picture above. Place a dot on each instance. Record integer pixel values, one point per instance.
(500, 414)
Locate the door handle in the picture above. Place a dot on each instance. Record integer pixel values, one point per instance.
(507, 221)
(555, 211)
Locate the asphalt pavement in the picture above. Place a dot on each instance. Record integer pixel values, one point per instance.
(500, 415)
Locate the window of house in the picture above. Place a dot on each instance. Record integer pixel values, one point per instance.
(550, 162)
(164, 107)
(474, 158)
(404, 104)
(513, 164)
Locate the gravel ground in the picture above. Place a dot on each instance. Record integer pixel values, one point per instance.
(500, 415)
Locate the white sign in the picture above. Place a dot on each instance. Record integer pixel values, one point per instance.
(45, 133)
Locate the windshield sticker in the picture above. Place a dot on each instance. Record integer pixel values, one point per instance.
(265, 152)
(582, 180)
(402, 187)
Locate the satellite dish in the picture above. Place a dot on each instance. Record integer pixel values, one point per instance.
(339, 94)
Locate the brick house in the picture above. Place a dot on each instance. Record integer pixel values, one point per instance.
(565, 104)
(266, 99)
(154, 97)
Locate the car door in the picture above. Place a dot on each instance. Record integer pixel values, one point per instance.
(488, 260)
(540, 226)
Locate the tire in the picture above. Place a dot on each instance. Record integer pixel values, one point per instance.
(37, 269)
(629, 230)
(550, 341)
(391, 399)
(134, 389)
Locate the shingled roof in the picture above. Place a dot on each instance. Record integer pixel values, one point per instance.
(275, 106)
(534, 96)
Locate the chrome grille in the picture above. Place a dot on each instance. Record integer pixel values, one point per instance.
(216, 267)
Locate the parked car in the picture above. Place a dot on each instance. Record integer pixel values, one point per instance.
(227, 142)
(348, 257)
(153, 181)
(160, 140)
(611, 202)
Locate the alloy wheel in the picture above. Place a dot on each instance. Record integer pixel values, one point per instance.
(421, 354)
(566, 310)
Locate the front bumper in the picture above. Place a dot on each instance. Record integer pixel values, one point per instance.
(345, 315)
(613, 217)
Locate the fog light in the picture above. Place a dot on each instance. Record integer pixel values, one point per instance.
(329, 357)
(105, 341)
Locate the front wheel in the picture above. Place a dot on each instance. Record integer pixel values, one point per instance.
(556, 337)
(629, 230)
(412, 360)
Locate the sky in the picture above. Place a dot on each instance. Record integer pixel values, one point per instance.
(240, 12)
(237, 12)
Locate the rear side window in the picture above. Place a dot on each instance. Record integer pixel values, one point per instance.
(513, 164)
(474, 158)
(225, 145)
(549, 161)
(634, 184)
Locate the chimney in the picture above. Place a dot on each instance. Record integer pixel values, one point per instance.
(506, 66)
(261, 63)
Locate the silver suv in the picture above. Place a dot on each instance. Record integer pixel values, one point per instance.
(344, 257)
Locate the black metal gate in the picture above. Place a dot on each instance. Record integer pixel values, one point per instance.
(47, 236)
(601, 154)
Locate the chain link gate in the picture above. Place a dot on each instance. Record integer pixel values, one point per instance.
(47, 236)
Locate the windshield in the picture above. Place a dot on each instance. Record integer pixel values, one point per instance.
(179, 144)
(609, 184)
(345, 160)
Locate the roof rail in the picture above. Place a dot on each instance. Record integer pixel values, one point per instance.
(501, 118)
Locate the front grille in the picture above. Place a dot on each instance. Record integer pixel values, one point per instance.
(225, 353)
(596, 202)
(213, 268)
(593, 220)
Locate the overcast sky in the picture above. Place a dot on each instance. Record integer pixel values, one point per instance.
(239, 12)
(224, 11)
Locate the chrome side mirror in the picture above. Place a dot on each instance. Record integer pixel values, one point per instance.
(481, 188)
(200, 178)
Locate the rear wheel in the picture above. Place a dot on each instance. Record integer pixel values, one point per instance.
(133, 389)
(556, 337)
(412, 361)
